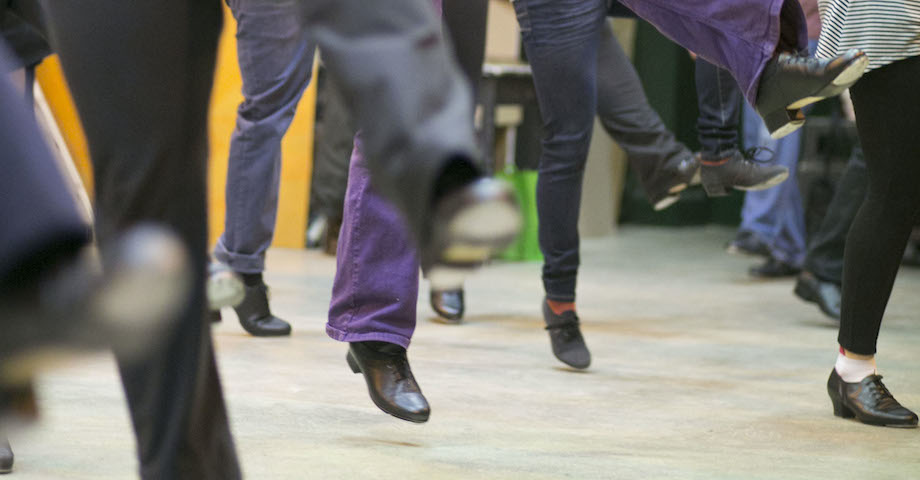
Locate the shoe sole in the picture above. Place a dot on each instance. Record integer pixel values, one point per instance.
(769, 183)
(665, 202)
(477, 233)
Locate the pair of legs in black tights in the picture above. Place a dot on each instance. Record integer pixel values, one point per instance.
(887, 105)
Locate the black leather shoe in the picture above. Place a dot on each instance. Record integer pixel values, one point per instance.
(746, 243)
(255, 316)
(773, 268)
(741, 171)
(868, 401)
(448, 304)
(826, 294)
(6, 456)
(389, 379)
(127, 305)
(468, 225)
(790, 82)
(566, 339)
(671, 179)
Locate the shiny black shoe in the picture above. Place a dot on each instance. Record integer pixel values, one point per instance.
(6, 456)
(389, 379)
(128, 304)
(746, 243)
(825, 294)
(256, 317)
(791, 82)
(671, 179)
(741, 171)
(773, 268)
(869, 401)
(566, 339)
(469, 224)
(448, 304)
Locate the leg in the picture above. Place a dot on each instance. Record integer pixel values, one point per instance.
(374, 296)
(775, 216)
(276, 59)
(149, 154)
(664, 165)
(887, 105)
(465, 22)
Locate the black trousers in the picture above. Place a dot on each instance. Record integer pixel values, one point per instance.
(887, 105)
(140, 73)
(826, 249)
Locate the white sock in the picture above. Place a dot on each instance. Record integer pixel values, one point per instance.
(852, 370)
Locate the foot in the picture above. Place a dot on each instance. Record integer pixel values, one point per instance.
(671, 179)
(448, 304)
(746, 243)
(790, 82)
(6, 456)
(773, 268)
(741, 171)
(128, 305)
(389, 379)
(224, 287)
(256, 317)
(869, 401)
(565, 337)
(469, 224)
(825, 294)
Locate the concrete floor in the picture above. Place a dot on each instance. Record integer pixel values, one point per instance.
(698, 373)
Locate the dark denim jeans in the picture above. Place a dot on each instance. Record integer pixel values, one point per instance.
(719, 101)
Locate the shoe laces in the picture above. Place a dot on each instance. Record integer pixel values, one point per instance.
(568, 329)
(881, 395)
(758, 154)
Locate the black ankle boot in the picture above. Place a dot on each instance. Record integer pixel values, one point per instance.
(790, 82)
(448, 304)
(6, 456)
(741, 171)
(390, 382)
(255, 316)
(566, 339)
(868, 401)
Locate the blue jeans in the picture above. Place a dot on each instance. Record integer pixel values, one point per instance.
(276, 58)
(775, 215)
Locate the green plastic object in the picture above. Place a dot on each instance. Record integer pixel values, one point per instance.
(527, 247)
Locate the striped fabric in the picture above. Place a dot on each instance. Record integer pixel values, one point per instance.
(887, 30)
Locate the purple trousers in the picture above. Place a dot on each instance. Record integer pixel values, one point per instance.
(738, 35)
(375, 291)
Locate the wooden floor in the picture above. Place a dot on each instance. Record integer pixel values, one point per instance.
(698, 373)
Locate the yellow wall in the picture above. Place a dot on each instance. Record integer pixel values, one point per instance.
(297, 148)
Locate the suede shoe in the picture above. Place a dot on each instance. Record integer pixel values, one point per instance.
(256, 317)
(565, 338)
(390, 382)
(790, 82)
(869, 401)
(448, 304)
(826, 295)
(742, 171)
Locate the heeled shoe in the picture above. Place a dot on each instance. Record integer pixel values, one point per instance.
(6, 456)
(565, 338)
(791, 82)
(448, 304)
(390, 382)
(869, 401)
(469, 224)
(256, 317)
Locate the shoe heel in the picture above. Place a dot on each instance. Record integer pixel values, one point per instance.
(714, 188)
(840, 410)
(782, 122)
(350, 359)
